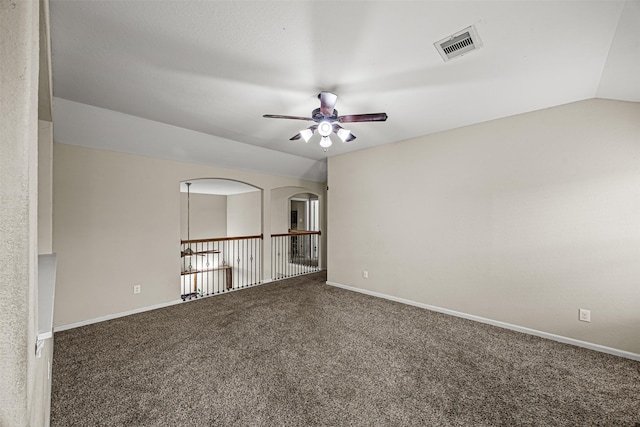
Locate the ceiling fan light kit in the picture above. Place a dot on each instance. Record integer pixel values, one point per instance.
(345, 135)
(306, 134)
(325, 128)
(327, 121)
(325, 142)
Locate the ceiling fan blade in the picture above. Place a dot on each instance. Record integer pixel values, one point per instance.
(354, 118)
(295, 137)
(327, 102)
(278, 116)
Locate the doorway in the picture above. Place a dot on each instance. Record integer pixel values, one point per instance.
(304, 216)
(304, 212)
(221, 236)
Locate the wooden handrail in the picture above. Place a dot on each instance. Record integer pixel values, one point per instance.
(205, 270)
(220, 239)
(297, 233)
(304, 232)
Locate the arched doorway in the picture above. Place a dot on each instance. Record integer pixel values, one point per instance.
(304, 216)
(304, 211)
(296, 239)
(221, 236)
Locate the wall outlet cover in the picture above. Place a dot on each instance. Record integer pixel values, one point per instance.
(584, 315)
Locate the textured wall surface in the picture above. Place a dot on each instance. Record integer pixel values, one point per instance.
(18, 198)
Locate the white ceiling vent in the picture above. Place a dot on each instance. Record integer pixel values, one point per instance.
(459, 43)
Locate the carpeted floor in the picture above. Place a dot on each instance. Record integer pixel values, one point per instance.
(301, 353)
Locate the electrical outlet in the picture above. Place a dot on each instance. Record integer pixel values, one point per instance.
(137, 289)
(365, 274)
(584, 315)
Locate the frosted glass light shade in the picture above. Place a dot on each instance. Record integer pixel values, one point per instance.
(306, 134)
(344, 135)
(325, 129)
(325, 142)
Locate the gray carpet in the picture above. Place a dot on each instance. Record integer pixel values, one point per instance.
(301, 353)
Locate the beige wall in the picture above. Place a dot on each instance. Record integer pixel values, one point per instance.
(522, 220)
(280, 209)
(244, 214)
(208, 216)
(117, 224)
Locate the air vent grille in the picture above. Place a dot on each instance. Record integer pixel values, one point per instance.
(458, 44)
(463, 41)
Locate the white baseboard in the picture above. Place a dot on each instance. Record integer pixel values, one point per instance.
(142, 310)
(559, 338)
(114, 316)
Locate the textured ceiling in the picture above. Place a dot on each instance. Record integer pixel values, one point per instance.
(211, 69)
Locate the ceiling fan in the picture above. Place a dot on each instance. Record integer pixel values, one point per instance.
(328, 121)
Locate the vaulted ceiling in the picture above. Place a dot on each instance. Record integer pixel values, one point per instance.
(190, 80)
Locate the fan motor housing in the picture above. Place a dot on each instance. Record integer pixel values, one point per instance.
(317, 116)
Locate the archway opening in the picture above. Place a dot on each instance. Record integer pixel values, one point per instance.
(304, 211)
(221, 236)
(219, 208)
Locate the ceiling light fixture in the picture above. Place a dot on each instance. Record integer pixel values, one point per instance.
(325, 142)
(325, 128)
(306, 134)
(328, 120)
(345, 135)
